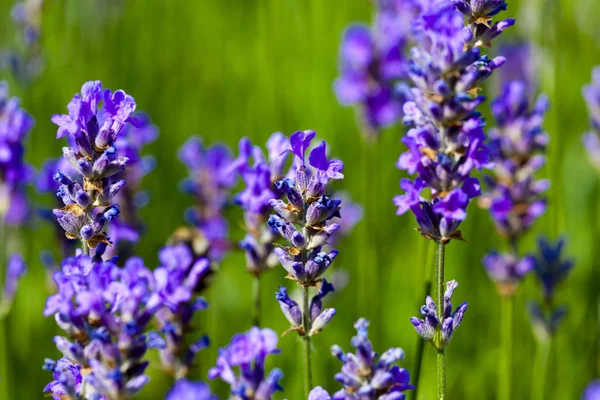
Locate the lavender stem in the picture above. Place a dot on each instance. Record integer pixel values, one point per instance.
(440, 288)
(307, 356)
(86, 249)
(506, 337)
(256, 300)
(540, 368)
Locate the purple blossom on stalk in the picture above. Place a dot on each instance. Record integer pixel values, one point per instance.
(67, 379)
(184, 389)
(15, 269)
(446, 142)
(178, 279)
(15, 123)
(260, 179)
(438, 326)
(248, 351)
(507, 270)
(105, 311)
(591, 140)
(92, 133)
(551, 269)
(364, 375)
(211, 177)
(372, 62)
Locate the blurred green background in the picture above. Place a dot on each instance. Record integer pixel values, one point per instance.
(231, 68)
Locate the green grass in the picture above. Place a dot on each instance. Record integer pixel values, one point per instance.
(230, 68)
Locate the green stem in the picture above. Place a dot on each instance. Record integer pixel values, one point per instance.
(504, 384)
(306, 338)
(86, 248)
(440, 288)
(256, 300)
(540, 368)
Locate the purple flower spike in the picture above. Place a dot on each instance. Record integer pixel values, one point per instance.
(591, 140)
(15, 174)
(438, 326)
(507, 270)
(364, 375)
(249, 351)
(184, 389)
(15, 269)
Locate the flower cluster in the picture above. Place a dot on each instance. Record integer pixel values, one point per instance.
(248, 351)
(551, 270)
(105, 312)
(178, 278)
(304, 221)
(591, 140)
(364, 374)
(372, 62)
(437, 326)
(15, 123)
(211, 177)
(15, 269)
(446, 142)
(25, 61)
(507, 270)
(92, 134)
(318, 318)
(184, 389)
(260, 188)
(130, 143)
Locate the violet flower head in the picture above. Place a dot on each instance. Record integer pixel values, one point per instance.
(438, 326)
(184, 389)
(366, 376)
(248, 351)
(592, 391)
(551, 270)
(210, 179)
(507, 270)
(515, 198)
(132, 197)
(260, 175)
(373, 64)
(591, 140)
(105, 311)
(15, 123)
(178, 279)
(318, 317)
(92, 132)
(306, 219)
(15, 269)
(446, 142)
(67, 379)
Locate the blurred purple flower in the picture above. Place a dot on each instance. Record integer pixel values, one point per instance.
(592, 391)
(507, 270)
(591, 140)
(184, 389)
(15, 269)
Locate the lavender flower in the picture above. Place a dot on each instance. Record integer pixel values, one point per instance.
(211, 177)
(260, 188)
(522, 65)
(15, 269)
(15, 123)
(131, 198)
(591, 140)
(551, 270)
(438, 326)
(184, 389)
(248, 351)
(592, 391)
(363, 375)
(177, 281)
(372, 62)
(105, 312)
(446, 142)
(67, 379)
(507, 270)
(92, 133)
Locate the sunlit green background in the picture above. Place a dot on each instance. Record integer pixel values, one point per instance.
(231, 68)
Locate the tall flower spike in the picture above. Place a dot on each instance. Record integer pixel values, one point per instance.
(210, 178)
(591, 140)
(364, 375)
(92, 133)
(551, 270)
(104, 311)
(446, 141)
(248, 351)
(15, 123)
(438, 326)
(178, 279)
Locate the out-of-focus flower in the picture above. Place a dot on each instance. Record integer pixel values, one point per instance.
(592, 391)
(248, 351)
(15, 269)
(183, 389)
(591, 140)
(507, 270)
